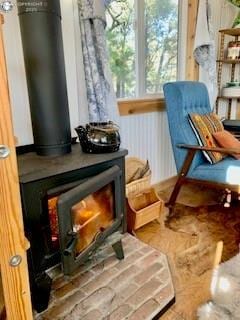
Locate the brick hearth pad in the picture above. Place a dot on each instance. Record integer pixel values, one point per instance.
(136, 288)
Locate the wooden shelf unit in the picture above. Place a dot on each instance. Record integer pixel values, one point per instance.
(230, 61)
(223, 60)
(235, 32)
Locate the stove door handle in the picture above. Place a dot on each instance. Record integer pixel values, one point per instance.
(72, 244)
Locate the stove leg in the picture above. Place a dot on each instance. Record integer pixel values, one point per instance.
(118, 249)
(41, 289)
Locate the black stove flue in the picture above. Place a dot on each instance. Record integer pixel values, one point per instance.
(40, 24)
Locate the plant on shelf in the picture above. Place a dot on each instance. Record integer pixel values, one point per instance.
(236, 22)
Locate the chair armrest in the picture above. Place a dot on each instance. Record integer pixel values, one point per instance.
(214, 149)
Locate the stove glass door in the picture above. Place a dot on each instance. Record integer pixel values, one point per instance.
(87, 214)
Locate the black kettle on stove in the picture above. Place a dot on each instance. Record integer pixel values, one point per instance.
(99, 137)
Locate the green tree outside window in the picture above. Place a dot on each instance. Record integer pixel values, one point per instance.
(160, 45)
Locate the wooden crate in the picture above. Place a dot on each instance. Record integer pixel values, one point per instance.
(143, 208)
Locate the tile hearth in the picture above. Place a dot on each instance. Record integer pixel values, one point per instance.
(136, 288)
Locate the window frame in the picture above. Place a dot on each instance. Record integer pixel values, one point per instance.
(139, 28)
(136, 105)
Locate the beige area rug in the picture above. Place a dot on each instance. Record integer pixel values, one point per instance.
(208, 225)
(193, 195)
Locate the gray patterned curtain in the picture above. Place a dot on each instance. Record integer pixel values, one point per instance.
(102, 104)
(204, 49)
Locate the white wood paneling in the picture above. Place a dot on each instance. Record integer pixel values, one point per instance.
(17, 77)
(146, 136)
(70, 61)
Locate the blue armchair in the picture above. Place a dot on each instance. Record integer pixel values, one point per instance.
(182, 98)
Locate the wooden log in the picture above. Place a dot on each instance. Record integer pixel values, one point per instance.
(12, 240)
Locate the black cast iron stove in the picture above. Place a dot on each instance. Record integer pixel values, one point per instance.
(71, 204)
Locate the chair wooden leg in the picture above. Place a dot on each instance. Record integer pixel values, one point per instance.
(181, 178)
(175, 192)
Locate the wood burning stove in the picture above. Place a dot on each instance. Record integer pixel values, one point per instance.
(71, 204)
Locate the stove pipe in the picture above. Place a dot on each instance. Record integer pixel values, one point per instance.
(40, 24)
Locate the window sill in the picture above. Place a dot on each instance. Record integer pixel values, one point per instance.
(137, 106)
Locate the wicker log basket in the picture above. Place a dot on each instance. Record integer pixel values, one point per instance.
(138, 176)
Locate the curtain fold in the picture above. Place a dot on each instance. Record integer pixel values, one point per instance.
(204, 48)
(102, 104)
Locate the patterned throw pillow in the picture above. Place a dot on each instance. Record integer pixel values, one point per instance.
(203, 126)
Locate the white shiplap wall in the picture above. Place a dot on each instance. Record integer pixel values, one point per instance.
(145, 136)
(16, 72)
(17, 79)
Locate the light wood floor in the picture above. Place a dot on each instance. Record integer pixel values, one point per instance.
(191, 290)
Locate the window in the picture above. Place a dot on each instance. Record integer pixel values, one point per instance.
(142, 40)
